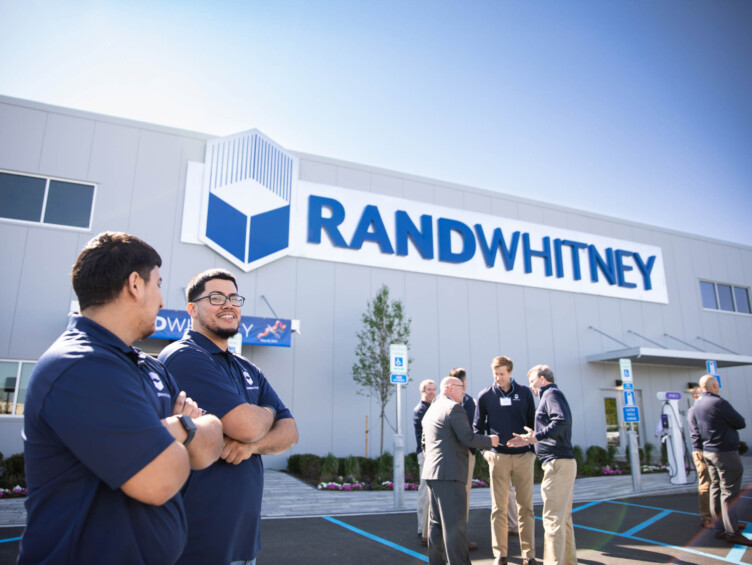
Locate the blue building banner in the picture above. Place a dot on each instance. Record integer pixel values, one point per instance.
(172, 324)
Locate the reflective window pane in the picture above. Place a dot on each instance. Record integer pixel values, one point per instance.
(8, 373)
(26, 369)
(741, 298)
(708, 295)
(21, 197)
(69, 204)
(724, 297)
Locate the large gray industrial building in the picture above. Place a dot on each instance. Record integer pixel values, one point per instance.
(312, 239)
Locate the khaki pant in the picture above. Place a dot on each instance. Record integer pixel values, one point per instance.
(470, 468)
(703, 486)
(507, 470)
(557, 489)
(423, 500)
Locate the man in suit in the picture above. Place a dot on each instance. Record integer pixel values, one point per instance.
(447, 437)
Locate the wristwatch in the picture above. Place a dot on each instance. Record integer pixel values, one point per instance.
(188, 426)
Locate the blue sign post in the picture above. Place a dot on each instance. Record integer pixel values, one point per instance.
(631, 413)
(712, 368)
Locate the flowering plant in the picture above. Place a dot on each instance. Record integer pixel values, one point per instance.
(386, 485)
(15, 492)
(654, 468)
(609, 471)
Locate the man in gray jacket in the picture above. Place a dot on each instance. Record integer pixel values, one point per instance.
(447, 437)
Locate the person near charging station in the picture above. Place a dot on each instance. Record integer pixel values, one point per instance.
(713, 425)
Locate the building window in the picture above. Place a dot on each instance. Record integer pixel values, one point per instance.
(45, 200)
(719, 296)
(14, 376)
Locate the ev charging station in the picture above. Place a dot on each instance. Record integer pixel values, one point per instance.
(673, 436)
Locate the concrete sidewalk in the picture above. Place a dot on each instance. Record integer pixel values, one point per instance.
(286, 496)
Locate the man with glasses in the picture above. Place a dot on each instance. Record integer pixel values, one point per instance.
(447, 435)
(223, 502)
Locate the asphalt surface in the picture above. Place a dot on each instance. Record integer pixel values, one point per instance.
(647, 529)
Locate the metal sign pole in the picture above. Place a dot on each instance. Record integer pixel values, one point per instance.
(398, 360)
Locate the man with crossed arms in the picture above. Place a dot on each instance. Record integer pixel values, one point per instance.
(224, 501)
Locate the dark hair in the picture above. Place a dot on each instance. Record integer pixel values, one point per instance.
(458, 373)
(197, 284)
(104, 265)
(502, 362)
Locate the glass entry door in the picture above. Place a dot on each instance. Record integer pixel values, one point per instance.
(615, 431)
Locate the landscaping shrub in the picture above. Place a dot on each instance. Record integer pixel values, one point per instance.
(310, 467)
(351, 468)
(743, 448)
(480, 471)
(385, 467)
(578, 456)
(649, 450)
(412, 469)
(329, 468)
(367, 468)
(12, 472)
(597, 456)
(611, 455)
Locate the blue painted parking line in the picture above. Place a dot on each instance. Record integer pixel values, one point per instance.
(658, 508)
(377, 539)
(9, 539)
(734, 556)
(647, 522)
(737, 552)
(588, 505)
(668, 545)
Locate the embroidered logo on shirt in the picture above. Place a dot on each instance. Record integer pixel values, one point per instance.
(248, 377)
(516, 396)
(156, 380)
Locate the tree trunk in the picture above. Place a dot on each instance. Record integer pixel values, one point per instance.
(381, 449)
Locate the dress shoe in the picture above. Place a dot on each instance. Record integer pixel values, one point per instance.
(513, 533)
(472, 546)
(738, 539)
(500, 561)
(530, 561)
(424, 542)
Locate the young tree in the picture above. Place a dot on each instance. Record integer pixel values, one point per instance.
(383, 324)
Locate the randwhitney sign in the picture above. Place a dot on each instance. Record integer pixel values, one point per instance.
(335, 224)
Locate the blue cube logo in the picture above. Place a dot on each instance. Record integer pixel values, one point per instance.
(248, 184)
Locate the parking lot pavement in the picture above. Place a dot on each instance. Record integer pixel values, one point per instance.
(655, 529)
(613, 525)
(649, 529)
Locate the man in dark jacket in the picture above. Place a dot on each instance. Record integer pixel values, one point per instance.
(427, 394)
(712, 425)
(552, 438)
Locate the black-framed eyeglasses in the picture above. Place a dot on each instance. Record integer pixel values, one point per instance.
(217, 299)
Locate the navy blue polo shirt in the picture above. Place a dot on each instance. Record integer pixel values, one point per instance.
(223, 502)
(504, 413)
(92, 420)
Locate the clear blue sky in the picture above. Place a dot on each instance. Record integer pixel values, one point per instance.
(639, 109)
